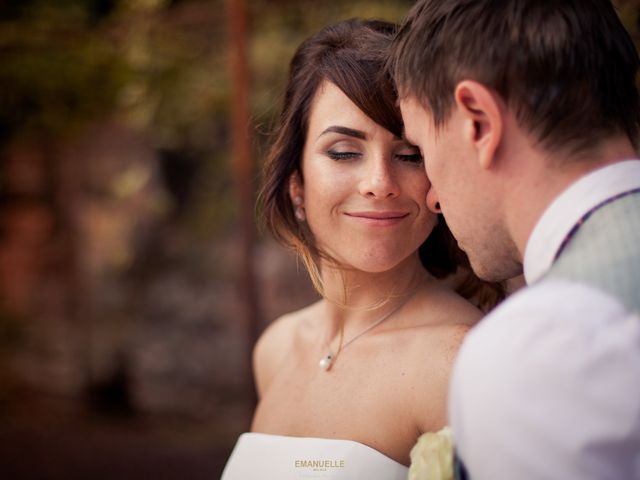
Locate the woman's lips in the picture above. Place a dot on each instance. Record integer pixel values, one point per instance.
(377, 218)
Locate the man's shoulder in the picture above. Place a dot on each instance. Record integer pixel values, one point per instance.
(542, 326)
(553, 304)
(548, 373)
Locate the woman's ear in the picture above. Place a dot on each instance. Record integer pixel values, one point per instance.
(482, 112)
(296, 193)
(296, 190)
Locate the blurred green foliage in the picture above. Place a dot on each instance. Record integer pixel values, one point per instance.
(54, 71)
(163, 63)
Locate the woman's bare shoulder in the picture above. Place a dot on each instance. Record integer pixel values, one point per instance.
(447, 319)
(277, 341)
(437, 324)
(441, 306)
(441, 324)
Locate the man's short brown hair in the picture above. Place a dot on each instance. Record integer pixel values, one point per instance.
(566, 68)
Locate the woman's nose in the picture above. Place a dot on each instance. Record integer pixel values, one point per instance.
(379, 180)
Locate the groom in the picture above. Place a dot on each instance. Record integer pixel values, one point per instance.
(527, 114)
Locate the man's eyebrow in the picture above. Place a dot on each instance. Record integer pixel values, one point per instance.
(345, 131)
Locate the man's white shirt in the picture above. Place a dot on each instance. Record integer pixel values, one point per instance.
(547, 386)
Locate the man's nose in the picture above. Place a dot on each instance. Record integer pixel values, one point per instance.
(433, 203)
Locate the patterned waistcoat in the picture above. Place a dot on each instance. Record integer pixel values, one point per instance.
(604, 251)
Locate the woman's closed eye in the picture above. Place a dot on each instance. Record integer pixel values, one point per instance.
(342, 155)
(410, 155)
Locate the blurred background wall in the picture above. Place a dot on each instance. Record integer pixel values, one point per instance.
(132, 279)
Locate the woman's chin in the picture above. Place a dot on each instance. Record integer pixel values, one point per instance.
(378, 262)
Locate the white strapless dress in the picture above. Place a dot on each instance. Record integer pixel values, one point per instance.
(276, 457)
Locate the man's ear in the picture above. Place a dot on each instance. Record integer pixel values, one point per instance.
(482, 112)
(296, 190)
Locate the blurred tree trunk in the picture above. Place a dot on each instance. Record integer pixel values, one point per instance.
(243, 169)
(25, 228)
(41, 273)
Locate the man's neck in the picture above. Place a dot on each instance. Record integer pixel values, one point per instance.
(545, 177)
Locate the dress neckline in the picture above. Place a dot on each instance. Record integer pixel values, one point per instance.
(344, 441)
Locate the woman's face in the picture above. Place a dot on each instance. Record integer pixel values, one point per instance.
(364, 189)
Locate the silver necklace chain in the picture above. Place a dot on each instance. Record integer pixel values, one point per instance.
(327, 360)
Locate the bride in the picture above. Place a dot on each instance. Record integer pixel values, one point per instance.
(349, 383)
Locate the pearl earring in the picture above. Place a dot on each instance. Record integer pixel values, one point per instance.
(299, 210)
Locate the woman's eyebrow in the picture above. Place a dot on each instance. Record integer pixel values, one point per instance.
(345, 131)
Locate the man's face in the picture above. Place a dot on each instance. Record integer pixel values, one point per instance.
(461, 189)
(435, 145)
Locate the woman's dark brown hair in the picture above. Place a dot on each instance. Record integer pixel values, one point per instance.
(352, 55)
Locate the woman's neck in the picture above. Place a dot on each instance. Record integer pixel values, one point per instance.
(355, 299)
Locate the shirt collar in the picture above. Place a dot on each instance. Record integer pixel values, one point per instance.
(567, 209)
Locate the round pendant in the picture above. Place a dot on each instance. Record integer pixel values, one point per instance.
(326, 361)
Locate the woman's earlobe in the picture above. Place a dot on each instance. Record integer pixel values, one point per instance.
(298, 208)
(296, 194)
